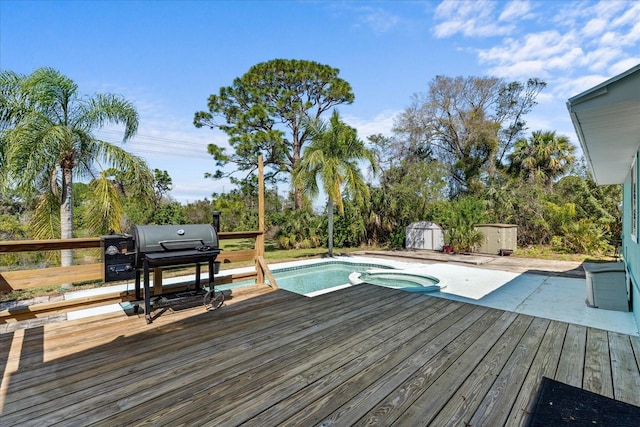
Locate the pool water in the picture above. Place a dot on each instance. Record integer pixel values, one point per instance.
(313, 278)
(316, 278)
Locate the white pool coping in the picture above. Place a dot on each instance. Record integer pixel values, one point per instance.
(548, 296)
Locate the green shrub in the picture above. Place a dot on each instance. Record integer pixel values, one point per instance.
(459, 218)
(396, 240)
(463, 238)
(585, 237)
(298, 229)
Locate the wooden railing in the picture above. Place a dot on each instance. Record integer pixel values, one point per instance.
(38, 278)
(43, 277)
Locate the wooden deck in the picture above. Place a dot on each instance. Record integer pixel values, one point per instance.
(363, 355)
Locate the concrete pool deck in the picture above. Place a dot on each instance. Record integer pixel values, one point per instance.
(550, 289)
(542, 288)
(551, 297)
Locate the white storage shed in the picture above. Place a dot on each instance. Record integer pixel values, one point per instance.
(425, 235)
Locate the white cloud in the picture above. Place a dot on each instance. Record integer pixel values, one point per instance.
(624, 65)
(545, 98)
(595, 27)
(538, 122)
(583, 44)
(520, 70)
(570, 59)
(543, 45)
(515, 10)
(598, 60)
(469, 18)
(568, 87)
(382, 123)
(198, 189)
(379, 20)
(538, 55)
(630, 17)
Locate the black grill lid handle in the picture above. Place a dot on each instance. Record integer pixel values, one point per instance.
(180, 244)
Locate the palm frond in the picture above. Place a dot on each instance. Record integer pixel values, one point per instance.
(105, 109)
(45, 223)
(134, 168)
(105, 210)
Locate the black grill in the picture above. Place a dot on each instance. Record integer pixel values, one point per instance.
(159, 246)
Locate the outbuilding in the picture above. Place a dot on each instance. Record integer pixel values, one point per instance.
(425, 235)
(498, 239)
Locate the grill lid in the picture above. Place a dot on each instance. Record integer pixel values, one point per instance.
(165, 238)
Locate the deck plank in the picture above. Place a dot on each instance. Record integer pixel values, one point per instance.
(432, 398)
(597, 364)
(148, 342)
(325, 374)
(168, 361)
(545, 364)
(463, 405)
(125, 396)
(499, 399)
(359, 356)
(571, 366)
(322, 345)
(356, 396)
(5, 345)
(75, 369)
(624, 370)
(425, 325)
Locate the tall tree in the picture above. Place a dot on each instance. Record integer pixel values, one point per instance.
(468, 124)
(263, 111)
(333, 157)
(162, 184)
(544, 156)
(48, 140)
(410, 181)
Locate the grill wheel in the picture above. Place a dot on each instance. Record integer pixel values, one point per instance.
(213, 299)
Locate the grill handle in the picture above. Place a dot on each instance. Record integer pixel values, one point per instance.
(180, 244)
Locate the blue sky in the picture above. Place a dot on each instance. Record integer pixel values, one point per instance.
(167, 57)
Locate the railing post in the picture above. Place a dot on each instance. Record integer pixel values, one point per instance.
(215, 220)
(260, 237)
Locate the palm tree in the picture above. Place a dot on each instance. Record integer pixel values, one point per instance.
(332, 157)
(544, 156)
(47, 140)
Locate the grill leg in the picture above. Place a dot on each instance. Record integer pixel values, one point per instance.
(211, 271)
(147, 292)
(138, 296)
(197, 275)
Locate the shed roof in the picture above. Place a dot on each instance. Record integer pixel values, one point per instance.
(607, 122)
(424, 224)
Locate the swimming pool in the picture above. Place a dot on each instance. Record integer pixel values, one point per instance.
(317, 278)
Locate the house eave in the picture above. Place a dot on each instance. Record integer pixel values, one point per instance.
(607, 122)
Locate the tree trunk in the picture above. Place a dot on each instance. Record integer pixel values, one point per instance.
(299, 200)
(66, 215)
(330, 226)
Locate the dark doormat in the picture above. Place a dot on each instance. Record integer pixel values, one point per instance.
(560, 404)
